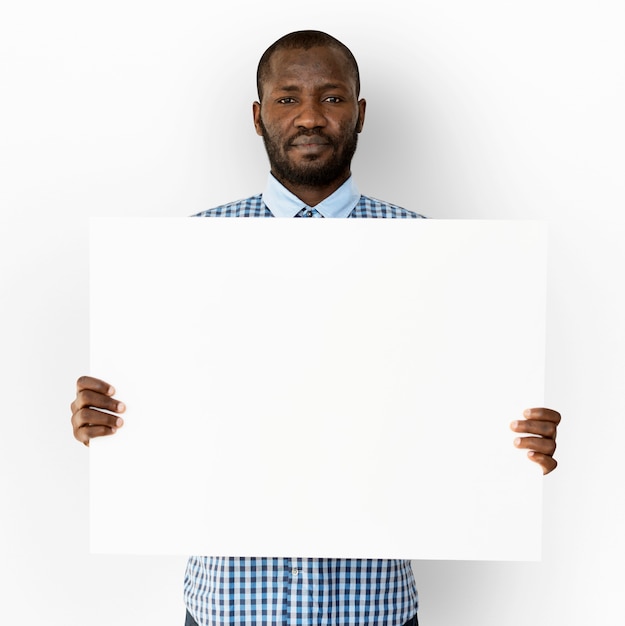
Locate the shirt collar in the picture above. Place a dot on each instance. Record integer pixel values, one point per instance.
(282, 203)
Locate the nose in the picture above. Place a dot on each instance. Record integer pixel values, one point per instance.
(310, 115)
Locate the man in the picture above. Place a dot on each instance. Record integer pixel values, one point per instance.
(309, 115)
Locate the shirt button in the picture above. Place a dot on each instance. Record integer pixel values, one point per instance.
(295, 571)
(308, 213)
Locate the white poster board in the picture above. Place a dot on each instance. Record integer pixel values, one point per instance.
(318, 388)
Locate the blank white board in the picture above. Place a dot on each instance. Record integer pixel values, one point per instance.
(319, 388)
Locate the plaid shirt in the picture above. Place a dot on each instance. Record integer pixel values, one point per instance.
(255, 207)
(298, 591)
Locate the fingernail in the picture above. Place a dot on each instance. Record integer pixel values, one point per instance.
(121, 407)
(111, 391)
(515, 424)
(531, 453)
(527, 412)
(517, 441)
(119, 422)
(113, 430)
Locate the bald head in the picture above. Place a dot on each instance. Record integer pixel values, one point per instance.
(304, 40)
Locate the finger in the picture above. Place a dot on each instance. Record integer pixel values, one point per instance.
(537, 444)
(535, 427)
(542, 414)
(86, 433)
(547, 462)
(89, 398)
(88, 423)
(95, 384)
(91, 417)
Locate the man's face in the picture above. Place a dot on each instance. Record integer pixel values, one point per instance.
(310, 116)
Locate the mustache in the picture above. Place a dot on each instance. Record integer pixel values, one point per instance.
(310, 133)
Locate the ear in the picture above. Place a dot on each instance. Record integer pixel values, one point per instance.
(362, 106)
(256, 114)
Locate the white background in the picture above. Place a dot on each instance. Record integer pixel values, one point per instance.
(482, 109)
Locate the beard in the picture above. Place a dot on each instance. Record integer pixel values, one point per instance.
(313, 172)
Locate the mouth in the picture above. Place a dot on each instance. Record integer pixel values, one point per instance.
(308, 141)
(310, 147)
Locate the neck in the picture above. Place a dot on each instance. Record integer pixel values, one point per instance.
(313, 195)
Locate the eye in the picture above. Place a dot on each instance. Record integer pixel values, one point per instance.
(334, 99)
(287, 100)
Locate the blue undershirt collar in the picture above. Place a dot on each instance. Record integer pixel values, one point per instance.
(282, 203)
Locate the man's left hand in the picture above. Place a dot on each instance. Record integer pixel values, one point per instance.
(543, 424)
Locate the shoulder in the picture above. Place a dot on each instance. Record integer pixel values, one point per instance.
(249, 207)
(372, 207)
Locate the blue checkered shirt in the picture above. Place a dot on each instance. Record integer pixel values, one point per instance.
(291, 591)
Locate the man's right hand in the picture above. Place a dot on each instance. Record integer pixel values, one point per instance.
(88, 421)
